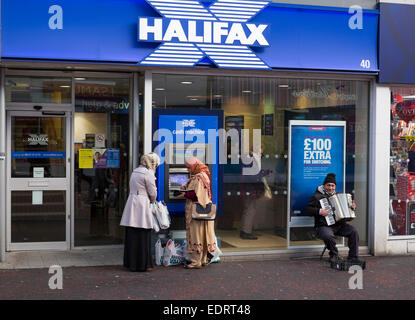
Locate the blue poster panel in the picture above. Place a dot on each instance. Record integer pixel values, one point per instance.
(316, 149)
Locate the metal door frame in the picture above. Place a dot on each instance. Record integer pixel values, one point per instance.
(56, 183)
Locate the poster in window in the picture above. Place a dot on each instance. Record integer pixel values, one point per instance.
(86, 158)
(316, 148)
(267, 128)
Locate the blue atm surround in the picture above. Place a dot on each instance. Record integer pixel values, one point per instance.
(202, 120)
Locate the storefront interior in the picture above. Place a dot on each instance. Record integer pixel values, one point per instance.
(268, 104)
(100, 136)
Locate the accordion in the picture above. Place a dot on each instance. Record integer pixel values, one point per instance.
(339, 207)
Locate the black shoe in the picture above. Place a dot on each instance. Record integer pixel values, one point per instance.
(356, 260)
(335, 258)
(247, 236)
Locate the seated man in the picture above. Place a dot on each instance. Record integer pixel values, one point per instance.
(340, 228)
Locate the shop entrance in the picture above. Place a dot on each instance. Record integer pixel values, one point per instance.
(38, 197)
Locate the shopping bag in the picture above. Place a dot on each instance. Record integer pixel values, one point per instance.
(173, 254)
(156, 226)
(186, 254)
(215, 256)
(162, 214)
(159, 252)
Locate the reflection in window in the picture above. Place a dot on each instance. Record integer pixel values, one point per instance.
(101, 142)
(402, 170)
(39, 90)
(268, 104)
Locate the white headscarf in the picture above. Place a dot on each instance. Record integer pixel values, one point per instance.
(150, 161)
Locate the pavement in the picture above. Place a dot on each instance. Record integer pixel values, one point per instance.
(385, 278)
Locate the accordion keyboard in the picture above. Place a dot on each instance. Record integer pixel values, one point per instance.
(325, 204)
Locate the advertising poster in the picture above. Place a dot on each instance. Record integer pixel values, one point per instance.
(89, 140)
(316, 148)
(86, 158)
(113, 158)
(100, 158)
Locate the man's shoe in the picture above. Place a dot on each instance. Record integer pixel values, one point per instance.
(355, 260)
(247, 236)
(335, 259)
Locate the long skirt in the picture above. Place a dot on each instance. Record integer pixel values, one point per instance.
(137, 249)
(200, 240)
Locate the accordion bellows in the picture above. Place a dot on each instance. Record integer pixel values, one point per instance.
(338, 207)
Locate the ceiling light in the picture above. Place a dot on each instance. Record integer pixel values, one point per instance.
(246, 91)
(80, 79)
(194, 99)
(159, 89)
(283, 86)
(64, 86)
(186, 82)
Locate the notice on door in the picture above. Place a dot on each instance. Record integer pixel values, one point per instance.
(37, 197)
(38, 172)
(86, 158)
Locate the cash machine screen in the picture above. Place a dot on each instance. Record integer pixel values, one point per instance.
(178, 179)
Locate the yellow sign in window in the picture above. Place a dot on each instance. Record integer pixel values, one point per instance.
(86, 157)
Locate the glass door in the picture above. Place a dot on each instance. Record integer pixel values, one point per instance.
(38, 198)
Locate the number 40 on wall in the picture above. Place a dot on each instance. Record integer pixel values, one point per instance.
(365, 64)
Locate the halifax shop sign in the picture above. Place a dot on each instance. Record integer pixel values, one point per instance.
(241, 34)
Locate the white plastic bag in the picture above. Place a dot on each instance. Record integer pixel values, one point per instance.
(173, 254)
(162, 214)
(216, 254)
(186, 254)
(156, 226)
(159, 252)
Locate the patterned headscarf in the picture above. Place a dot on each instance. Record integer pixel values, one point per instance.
(150, 161)
(197, 167)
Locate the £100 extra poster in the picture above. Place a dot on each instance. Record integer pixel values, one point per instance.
(316, 149)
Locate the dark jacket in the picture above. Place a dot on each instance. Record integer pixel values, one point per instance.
(314, 206)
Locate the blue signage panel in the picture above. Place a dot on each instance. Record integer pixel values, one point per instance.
(38, 154)
(241, 34)
(396, 45)
(317, 148)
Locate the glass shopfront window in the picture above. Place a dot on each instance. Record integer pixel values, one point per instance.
(268, 104)
(38, 90)
(402, 165)
(101, 141)
(38, 142)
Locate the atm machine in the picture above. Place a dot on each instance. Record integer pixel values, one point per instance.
(176, 173)
(179, 134)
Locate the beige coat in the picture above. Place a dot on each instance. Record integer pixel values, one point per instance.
(137, 212)
(201, 237)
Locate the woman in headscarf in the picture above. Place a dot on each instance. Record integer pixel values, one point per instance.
(137, 215)
(200, 234)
